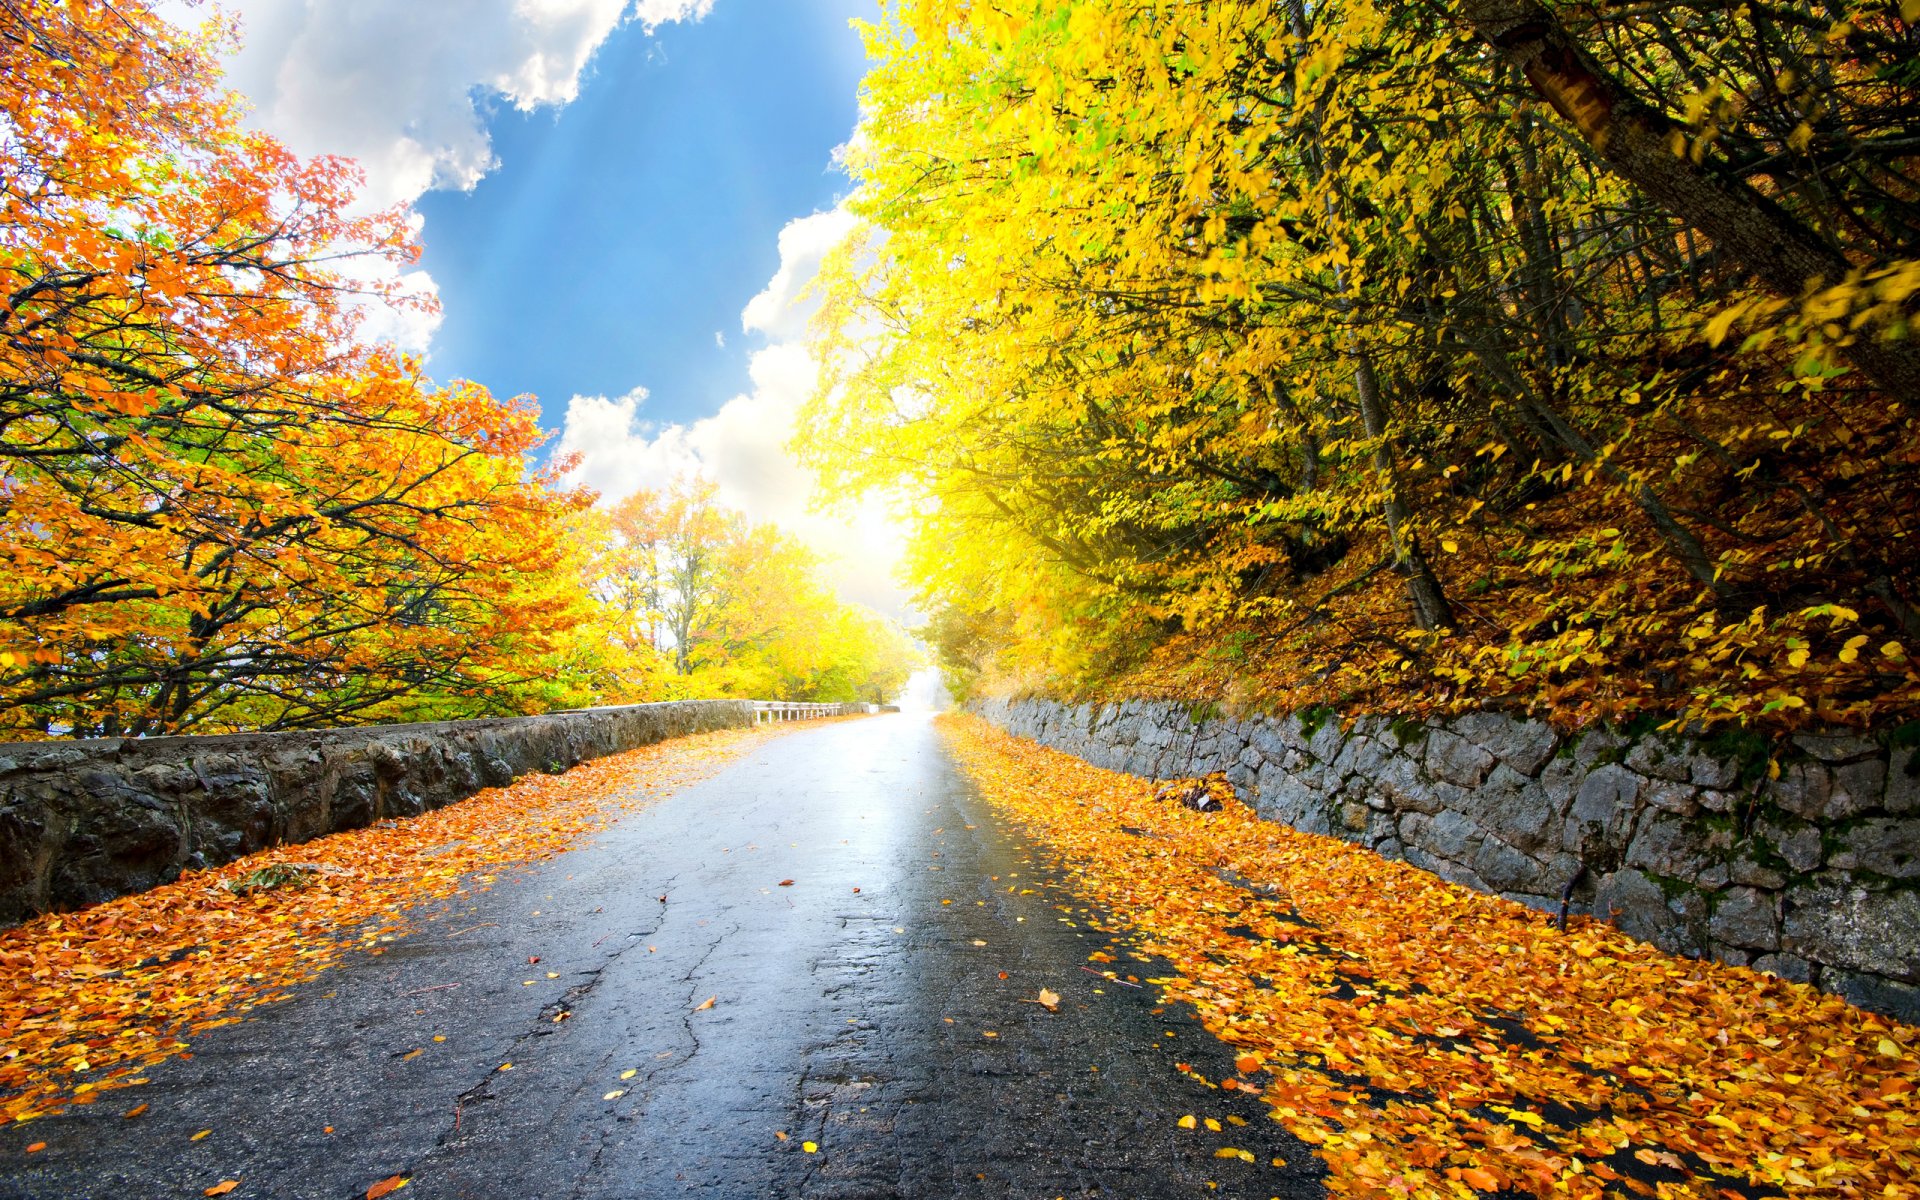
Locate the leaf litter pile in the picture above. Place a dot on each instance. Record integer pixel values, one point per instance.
(91, 999)
(1433, 1041)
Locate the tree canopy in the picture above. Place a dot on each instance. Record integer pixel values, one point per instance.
(1415, 355)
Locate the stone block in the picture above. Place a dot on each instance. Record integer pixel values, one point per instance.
(1326, 741)
(1447, 834)
(1802, 789)
(1602, 814)
(1898, 1000)
(1657, 758)
(1790, 967)
(1515, 808)
(1744, 870)
(1641, 909)
(1844, 925)
(1675, 847)
(1857, 788)
(1888, 846)
(1708, 772)
(1598, 746)
(1400, 781)
(1522, 744)
(1795, 843)
(1746, 917)
(1671, 797)
(1836, 748)
(1456, 760)
(1561, 778)
(1506, 869)
(1902, 793)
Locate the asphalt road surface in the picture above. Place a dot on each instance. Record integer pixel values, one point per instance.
(850, 1009)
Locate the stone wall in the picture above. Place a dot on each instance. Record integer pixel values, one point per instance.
(1813, 876)
(85, 821)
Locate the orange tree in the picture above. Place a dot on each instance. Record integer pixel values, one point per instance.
(223, 509)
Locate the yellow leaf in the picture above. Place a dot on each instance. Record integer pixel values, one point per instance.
(615, 1094)
(1231, 1152)
(1213, 1125)
(1450, 546)
(810, 1147)
(1888, 1047)
(1049, 999)
(1800, 138)
(1722, 322)
(629, 1073)
(203, 1133)
(1187, 1122)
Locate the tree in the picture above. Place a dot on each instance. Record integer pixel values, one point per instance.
(224, 510)
(1311, 341)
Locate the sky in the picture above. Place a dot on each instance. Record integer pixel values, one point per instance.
(620, 202)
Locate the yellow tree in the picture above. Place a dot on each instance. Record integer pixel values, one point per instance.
(1306, 329)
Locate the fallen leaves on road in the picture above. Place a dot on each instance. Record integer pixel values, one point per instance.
(89, 999)
(1433, 1041)
(391, 1184)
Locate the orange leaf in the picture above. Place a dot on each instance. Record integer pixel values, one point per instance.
(1246, 1064)
(705, 1004)
(136, 1110)
(391, 1183)
(1478, 1179)
(221, 1188)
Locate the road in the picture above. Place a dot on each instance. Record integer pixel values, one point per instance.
(850, 1009)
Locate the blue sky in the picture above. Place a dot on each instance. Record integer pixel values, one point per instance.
(602, 187)
(620, 232)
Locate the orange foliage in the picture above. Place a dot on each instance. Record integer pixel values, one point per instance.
(1433, 1041)
(222, 510)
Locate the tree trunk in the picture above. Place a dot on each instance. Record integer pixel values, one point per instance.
(1636, 141)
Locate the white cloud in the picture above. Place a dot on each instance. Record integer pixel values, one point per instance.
(779, 311)
(402, 86)
(742, 448)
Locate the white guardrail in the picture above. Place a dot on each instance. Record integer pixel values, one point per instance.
(766, 712)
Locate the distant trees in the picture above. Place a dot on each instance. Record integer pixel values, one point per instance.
(691, 599)
(1420, 354)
